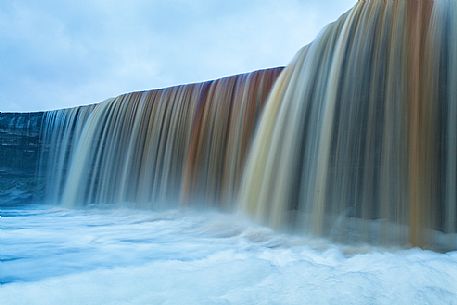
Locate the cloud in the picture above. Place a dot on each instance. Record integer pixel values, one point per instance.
(56, 54)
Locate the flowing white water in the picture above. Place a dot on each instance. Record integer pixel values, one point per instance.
(57, 256)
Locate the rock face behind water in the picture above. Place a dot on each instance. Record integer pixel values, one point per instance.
(19, 157)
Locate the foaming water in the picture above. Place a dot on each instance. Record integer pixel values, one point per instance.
(96, 256)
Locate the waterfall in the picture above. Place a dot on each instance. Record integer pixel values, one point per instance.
(355, 140)
(358, 140)
(156, 148)
(60, 132)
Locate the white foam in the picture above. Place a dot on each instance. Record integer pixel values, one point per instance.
(57, 256)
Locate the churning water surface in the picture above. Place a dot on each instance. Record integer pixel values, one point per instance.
(51, 255)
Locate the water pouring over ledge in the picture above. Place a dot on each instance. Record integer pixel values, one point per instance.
(156, 148)
(362, 126)
(357, 139)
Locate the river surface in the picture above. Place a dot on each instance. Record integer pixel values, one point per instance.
(52, 255)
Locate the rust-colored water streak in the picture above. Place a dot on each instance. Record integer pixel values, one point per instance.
(159, 147)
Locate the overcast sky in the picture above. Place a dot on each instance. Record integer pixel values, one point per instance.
(56, 54)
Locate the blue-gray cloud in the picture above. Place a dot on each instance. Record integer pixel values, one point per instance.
(56, 54)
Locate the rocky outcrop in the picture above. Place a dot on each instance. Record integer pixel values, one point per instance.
(19, 157)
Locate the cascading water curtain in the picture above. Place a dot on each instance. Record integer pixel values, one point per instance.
(157, 148)
(60, 132)
(358, 139)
